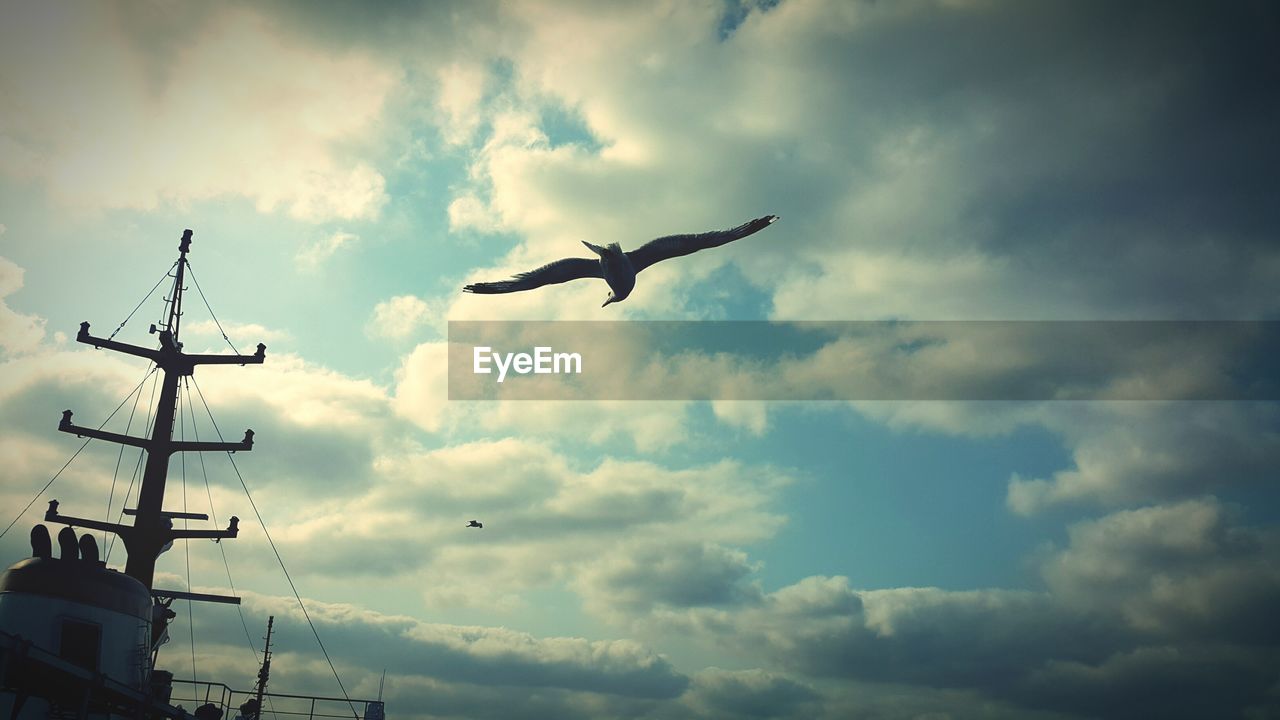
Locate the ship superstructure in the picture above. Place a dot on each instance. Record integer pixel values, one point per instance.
(81, 640)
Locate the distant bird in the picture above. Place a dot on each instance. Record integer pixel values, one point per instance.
(619, 268)
(475, 523)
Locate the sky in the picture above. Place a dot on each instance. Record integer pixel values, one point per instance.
(347, 168)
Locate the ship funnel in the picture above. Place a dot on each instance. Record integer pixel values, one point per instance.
(88, 548)
(68, 544)
(41, 543)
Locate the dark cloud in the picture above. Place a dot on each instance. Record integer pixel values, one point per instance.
(677, 574)
(1168, 681)
(1127, 454)
(1119, 154)
(1167, 608)
(720, 693)
(1184, 572)
(483, 656)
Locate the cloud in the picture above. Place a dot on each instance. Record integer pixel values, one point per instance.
(1175, 597)
(547, 523)
(749, 693)
(402, 315)
(462, 88)
(930, 159)
(1125, 453)
(422, 397)
(488, 657)
(1122, 452)
(1180, 571)
(915, 181)
(315, 254)
(260, 113)
(18, 332)
(238, 332)
(656, 575)
(467, 212)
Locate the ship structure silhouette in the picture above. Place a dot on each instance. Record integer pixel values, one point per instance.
(81, 640)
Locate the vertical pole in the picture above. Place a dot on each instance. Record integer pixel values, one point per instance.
(151, 530)
(265, 672)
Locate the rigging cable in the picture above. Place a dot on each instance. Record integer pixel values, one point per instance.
(137, 468)
(113, 412)
(279, 559)
(144, 299)
(195, 429)
(210, 309)
(186, 544)
(73, 457)
(119, 457)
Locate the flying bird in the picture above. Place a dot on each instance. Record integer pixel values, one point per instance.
(619, 268)
(475, 523)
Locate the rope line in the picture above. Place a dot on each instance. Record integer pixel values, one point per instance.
(186, 545)
(73, 457)
(214, 516)
(115, 474)
(297, 596)
(137, 468)
(210, 309)
(143, 300)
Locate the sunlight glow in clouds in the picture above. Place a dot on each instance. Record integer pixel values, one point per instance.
(134, 129)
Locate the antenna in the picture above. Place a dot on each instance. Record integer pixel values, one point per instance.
(152, 527)
(265, 672)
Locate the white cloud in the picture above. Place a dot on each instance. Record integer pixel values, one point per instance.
(246, 335)
(1183, 570)
(402, 315)
(316, 253)
(422, 396)
(18, 332)
(1127, 453)
(238, 106)
(462, 88)
(467, 212)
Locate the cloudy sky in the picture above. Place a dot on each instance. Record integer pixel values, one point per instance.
(347, 168)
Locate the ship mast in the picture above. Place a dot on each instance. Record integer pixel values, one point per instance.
(265, 672)
(152, 527)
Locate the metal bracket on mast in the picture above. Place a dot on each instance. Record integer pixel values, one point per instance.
(153, 527)
(171, 446)
(199, 597)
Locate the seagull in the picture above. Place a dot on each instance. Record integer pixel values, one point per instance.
(619, 268)
(475, 523)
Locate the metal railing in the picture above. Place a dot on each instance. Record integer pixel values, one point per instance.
(283, 706)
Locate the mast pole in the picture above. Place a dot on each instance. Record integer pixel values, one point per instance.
(152, 527)
(265, 673)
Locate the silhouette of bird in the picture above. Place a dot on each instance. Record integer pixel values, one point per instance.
(475, 523)
(616, 267)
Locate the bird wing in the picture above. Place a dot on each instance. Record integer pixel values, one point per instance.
(671, 246)
(549, 274)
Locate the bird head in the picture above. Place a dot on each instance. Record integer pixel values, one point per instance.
(611, 299)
